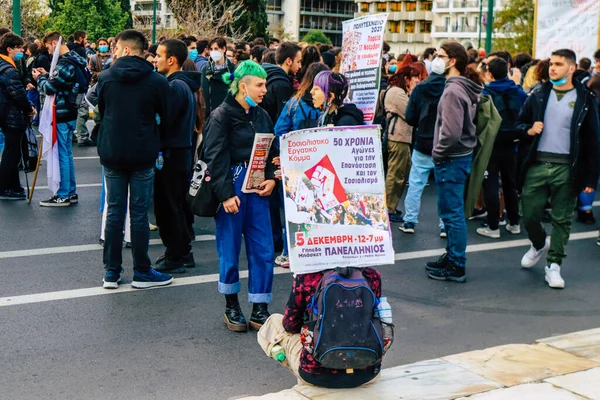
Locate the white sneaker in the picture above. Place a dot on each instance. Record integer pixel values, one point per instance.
(553, 277)
(514, 229)
(282, 261)
(487, 232)
(533, 256)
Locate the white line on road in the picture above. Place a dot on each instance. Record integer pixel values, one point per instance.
(83, 185)
(194, 280)
(86, 158)
(79, 248)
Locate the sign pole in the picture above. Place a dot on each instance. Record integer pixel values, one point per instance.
(16, 17)
(489, 28)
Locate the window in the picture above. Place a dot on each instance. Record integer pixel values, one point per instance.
(426, 6)
(411, 6)
(274, 5)
(364, 7)
(425, 26)
(396, 6)
(394, 26)
(409, 27)
(382, 7)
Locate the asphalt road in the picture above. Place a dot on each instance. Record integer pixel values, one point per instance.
(171, 343)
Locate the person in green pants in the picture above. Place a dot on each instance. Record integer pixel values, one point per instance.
(560, 124)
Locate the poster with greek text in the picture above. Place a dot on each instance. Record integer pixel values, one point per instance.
(334, 200)
(362, 44)
(258, 162)
(570, 24)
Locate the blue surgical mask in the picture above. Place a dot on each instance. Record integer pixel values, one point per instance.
(561, 81)
(193, 54)
(393, 69)
(250, 102)
(18, 56)
(102, 49)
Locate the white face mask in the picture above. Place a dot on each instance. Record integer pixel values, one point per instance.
(438, 66)
(216, 55)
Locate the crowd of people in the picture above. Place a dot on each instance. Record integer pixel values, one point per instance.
(158, 108)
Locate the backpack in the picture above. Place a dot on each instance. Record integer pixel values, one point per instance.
(307, 120)
(347, 335)
(508, 107)
(428, 115)
(83, 76)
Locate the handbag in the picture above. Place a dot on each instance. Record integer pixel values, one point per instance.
(200, 197)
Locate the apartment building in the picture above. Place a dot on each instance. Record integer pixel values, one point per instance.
(142, 11)
(409, 24)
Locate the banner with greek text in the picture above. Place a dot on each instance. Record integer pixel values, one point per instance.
(334, 200)
(570, 24)
(361, 60)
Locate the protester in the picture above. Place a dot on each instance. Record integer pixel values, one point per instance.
(16, 110)
(310, 55)
(428, 56)
(171, 182)
(273, 43)
(453, 143)
(399, 136)
(78, 44)
(561, 123)
(268, 57)
(256, 54)
(583, 74)
(98, 61)
(214, 89)
(203, 54)
(228, 141)
(66, 83)
(328, 94)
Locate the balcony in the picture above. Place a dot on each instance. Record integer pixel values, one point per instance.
(442, 4)
(464, 29)
(467, 4)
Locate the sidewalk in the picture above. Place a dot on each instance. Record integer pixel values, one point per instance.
(563, 367)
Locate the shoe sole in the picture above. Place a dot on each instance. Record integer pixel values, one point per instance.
(443, 235)
(406, 230)
(235, 327)
(462, 279)
(178, 270)
(189, 265)
(527, 266)
(554, 286)
(255, 325)
(74, 201)
(514, 233)
(148, 285)
(111, 285)
(480, 216)
(488, 236)
(55, 205)
(12, 198)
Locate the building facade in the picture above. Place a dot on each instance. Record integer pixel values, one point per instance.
(142, 11)
(409, 23)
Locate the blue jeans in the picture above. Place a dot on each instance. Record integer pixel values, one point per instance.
(139, 185)
(253, 220)
(422, 165)
(64, 132)
(450, 177)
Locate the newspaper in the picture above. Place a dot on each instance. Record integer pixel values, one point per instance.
(255, 175)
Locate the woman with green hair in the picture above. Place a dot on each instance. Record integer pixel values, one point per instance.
(228, 140)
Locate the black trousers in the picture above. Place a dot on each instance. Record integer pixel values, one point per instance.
(503, 162)
(9, 166)
(170, 185)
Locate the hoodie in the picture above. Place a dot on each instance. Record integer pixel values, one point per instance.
(182, 103)
(280, 89)
(347, 115)
(214, 89)
(454, 134)
(421, 112)
(508, 98)
(132, 102)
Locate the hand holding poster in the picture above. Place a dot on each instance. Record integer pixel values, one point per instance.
(335, 208)
(361, 63)
(258, 162)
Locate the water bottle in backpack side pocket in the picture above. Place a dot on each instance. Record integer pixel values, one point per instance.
(160, 161)
(384, 310)
(278, 353)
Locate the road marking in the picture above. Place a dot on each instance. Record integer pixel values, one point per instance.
(83, 185)
(79, 248)
(86, 158)
(194, 280)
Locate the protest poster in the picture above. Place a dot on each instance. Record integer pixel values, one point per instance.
(570, 24)
(335, 208)
(258, 162)
(362, 43)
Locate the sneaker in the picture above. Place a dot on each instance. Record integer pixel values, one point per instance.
(533, 256)
(282, 261)
(451, 273)
(12, 195)
(152, 278)
(396, 217)
(170, 266)
(478, 213)
(553, 277)
(111, 279)
(441, 263)
(502, 222)
(74, 198)
(490, 233)
(86, 143)
(514, 229)
(188, 260)
(586, 217)
(443, 234)
(55, 201)
(152, 227)
(407, 227)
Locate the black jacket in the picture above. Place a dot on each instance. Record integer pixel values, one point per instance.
(347, 115)
(132, 102)
(79, 49)
(584, 134)
(421, 112)
(214, 89)
(43, 60)
(13, 99)
(280, 88)
(228, 138)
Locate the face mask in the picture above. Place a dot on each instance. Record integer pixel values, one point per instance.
(393, 69)
(18, 56)
(193, 54)
(216, 55)
(438, 66)
(561, 81)
(249, 100)
(102, 49)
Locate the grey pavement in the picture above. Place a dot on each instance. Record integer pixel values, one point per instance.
(171, 343)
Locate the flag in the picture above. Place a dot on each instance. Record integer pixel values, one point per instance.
(327, 184)
(48, 130)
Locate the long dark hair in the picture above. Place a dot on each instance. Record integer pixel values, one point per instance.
(309, 77)
(310, 55)
(400, 77)
(457, 51)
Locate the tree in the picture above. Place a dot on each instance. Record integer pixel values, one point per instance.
(254, 20)
(513, 27)
(126, 8)
(316, 36)
(99, 18)
(34, 15)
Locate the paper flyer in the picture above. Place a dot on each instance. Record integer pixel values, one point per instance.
(258, 162)
(335, 207)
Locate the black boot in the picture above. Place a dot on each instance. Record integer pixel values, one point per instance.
(259, 316)
(441, 263)
(234, 318)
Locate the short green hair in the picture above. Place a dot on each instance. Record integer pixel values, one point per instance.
(244, 69)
